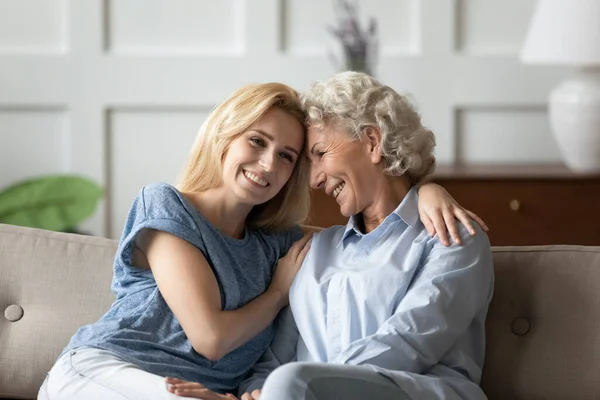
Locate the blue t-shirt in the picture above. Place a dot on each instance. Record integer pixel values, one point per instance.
(141, 328)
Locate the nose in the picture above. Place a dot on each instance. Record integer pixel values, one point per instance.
(317, 177)
(267, 161)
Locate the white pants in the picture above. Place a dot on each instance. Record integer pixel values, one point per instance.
(94, 374)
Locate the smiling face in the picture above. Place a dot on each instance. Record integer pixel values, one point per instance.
(260, 161)
(349, 170)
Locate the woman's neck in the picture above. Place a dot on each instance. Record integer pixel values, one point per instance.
(387, 197)
(226, 215)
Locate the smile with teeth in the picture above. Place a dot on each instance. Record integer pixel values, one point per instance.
(338, 189)
(256, 179)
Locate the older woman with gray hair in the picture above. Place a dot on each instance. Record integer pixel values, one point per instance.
(380, 309)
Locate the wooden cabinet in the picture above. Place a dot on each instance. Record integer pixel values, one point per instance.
(522, 205)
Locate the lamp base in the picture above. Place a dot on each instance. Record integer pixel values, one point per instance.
(574, 111)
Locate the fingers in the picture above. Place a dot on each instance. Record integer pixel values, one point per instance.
(183, 388)
(452, 227)
(440, 228)
(298, 246)
(199, 393)
(463, 217)
(188, 389)
(254, 396)
(174, 383)
(428, 225)
(476, 218)
(188, 385)
(174, 380)
(304, 251)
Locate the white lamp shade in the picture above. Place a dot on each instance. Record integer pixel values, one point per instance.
(564, 32)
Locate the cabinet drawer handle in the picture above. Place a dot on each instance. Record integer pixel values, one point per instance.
(514, 205)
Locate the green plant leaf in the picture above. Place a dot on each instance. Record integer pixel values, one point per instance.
(56, 202)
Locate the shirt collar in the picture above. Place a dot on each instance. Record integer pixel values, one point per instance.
(407, 211)
(351, 228)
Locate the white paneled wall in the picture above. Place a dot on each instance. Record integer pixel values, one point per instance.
(492, 27)
(500, 135)
(116, 89)
(181, 27)
(33, 27)
(32, 142)
(146, 145)
(305, 22)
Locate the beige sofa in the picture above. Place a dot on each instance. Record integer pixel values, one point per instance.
(543, 326)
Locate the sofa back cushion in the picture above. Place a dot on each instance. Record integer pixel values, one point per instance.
(543, 326)
(58, 282)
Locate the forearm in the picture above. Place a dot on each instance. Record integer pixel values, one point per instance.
(388, 350)
(234, 328)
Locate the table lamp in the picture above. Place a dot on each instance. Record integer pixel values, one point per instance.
(567, 32)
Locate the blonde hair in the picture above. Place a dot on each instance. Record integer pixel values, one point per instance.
(356, 101)
(227, 122)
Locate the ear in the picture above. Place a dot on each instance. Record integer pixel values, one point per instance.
(373, 136)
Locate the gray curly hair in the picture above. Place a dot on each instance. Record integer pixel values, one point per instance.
(355, 101)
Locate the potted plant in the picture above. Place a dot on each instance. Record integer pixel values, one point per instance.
(54, 202)
(359, 45)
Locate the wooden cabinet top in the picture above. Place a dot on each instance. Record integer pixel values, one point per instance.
(493, 172)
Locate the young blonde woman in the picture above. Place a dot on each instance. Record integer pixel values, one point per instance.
(202, 269)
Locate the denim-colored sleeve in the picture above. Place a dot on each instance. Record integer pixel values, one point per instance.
(158, 206)
(453, 286)
(282, 350)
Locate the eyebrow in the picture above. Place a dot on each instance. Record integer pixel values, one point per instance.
(270, 137)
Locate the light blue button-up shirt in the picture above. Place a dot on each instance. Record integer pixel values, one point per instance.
(395, 300)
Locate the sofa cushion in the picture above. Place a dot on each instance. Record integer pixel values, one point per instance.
(543, 330)
(58, 282)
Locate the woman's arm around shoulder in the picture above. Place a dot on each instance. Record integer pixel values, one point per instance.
(439, 213)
